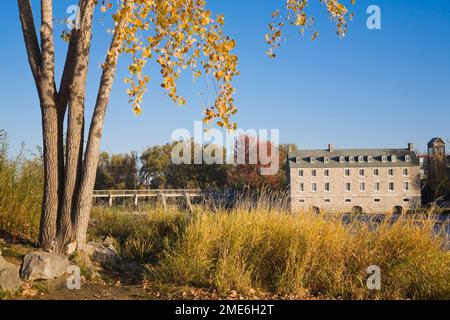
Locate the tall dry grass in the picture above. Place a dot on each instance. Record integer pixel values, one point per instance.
(280, 253)
(140, 237)
(21, 183)
(287, 254)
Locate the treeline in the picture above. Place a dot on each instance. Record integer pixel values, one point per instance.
(154, 169)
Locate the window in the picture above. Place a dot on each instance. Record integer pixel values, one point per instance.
(369, 159)
(314, 173)
(348, 187)
(376, 172)
(383, 159)
(327, 187)
(376, 200)
(362, 186)
(312, 159)
(301, 200)
(314, 187)
(406, 200)
(408, 158)
(406, 186)
(347, 172)
(327, 200)
(360, 159)
(298, 159)
(391, 186)
(361, 172)
(341, 159)
(405, 172)
(391, 172)
(326, 160)
(393, 158)
(376, 186)
(351, 159)
(326, 173)
(301, 187)
(300, 173)
(348, 200)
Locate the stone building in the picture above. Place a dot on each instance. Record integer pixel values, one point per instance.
(435, 148)
(435, 170)
(354, 180)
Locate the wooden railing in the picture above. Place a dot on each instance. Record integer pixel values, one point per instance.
(162, 194)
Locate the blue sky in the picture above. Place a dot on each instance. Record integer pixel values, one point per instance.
(375, 88)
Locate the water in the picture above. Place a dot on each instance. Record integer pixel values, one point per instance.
(442, 222)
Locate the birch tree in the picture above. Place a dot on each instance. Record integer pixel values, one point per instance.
(176, 35)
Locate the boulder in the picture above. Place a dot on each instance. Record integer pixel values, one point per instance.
(9, 276)
(101, 254)
(43, 266)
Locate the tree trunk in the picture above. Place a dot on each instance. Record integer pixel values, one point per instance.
(69, 182)
(75, 134)
(91, 158)
(50, 129)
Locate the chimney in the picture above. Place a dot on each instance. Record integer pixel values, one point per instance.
(330, 148)
(410, 146)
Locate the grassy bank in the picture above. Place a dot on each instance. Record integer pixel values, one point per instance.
(139, 237)
(285, 254)
(256, 248)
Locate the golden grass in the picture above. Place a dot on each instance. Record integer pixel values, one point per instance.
(139, 236)
(20, 194)
(287, 254)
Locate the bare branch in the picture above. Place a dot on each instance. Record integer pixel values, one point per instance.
(30, 38)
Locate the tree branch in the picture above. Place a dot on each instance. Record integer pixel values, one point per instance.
(30, 38)
(68, 73)
(70, 64)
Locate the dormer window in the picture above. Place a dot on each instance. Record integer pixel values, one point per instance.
(393, 158)
(298, 159)
(383, 159)
(351, 159)
(326, 160)
(312, 159)
(370, 159)
(341, 159)
(360, 159)
(408, 158)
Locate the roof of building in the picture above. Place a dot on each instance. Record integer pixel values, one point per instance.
(435, 140)
(302, 158)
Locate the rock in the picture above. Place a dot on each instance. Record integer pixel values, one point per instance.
(101, 254)
(71, 248)
(43, 266)
(9, 276)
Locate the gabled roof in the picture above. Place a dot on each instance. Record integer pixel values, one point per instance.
(334, 158)
(436, 140)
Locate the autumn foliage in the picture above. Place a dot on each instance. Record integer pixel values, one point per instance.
(249, 173)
